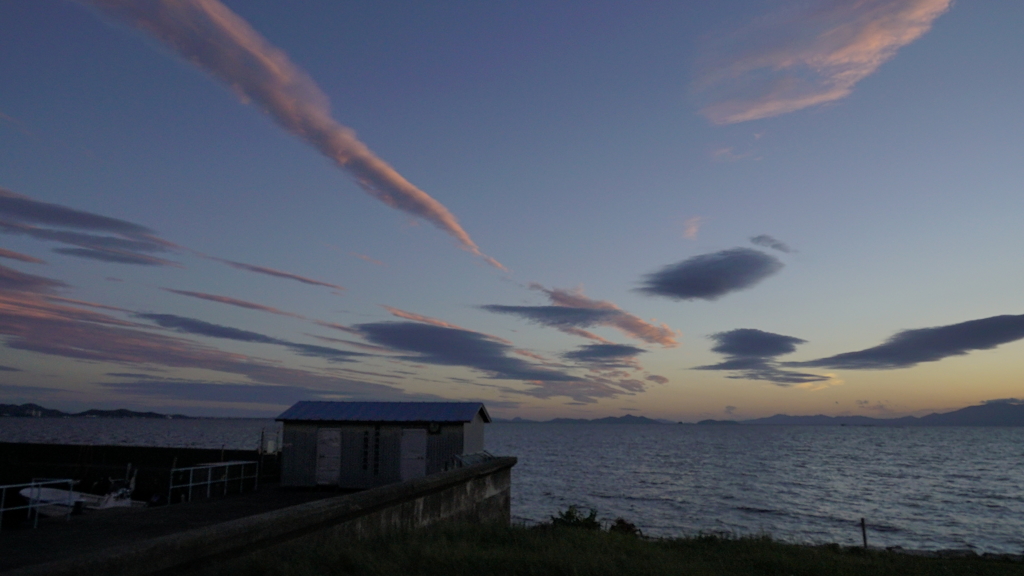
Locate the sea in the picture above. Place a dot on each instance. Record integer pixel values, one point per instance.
(920, 488)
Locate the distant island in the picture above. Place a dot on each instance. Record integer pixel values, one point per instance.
(997, 413)
(37, 411)
(627, 419)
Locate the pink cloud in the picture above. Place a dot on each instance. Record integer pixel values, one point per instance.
(30, 321)
(436, 322)
(233, 302)
(211, 36)
(10, 254)
(277, 273)
(692, 227)
(423, 319)
(366, 258)
(807, 54)
(629, 324)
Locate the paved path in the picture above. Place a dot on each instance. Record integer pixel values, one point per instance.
(56, 538)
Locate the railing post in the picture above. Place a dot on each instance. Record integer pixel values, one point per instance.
(35, 508)
(71, 500)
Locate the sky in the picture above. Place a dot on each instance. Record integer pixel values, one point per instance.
(683, 210)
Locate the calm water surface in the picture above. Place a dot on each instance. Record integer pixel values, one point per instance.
(922, 488)
(230, 433)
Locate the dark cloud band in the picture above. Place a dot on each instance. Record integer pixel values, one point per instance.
(557, 316)
(24, 209)
(711, 276)
(455, 347)
(750, 355)
(911, 347)
(769, 242)
(201, 328)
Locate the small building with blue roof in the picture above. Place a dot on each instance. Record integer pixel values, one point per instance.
(367, 444)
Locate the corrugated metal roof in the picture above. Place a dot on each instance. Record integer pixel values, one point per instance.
(385, 411)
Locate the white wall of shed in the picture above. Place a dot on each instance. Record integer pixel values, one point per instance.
(473, 435)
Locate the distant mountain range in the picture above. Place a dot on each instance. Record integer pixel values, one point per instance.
(1000, 413)
(997, 413)
(37, 411)
(627, 419)
(990, 414)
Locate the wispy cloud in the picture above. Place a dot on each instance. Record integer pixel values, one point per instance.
(277, 273)
(606, 355)
(204, 391)
(12, 255)
(339, 327)
(556, 316)
(750, 355)
(729, 154)
(353, 343)
(211, 36)
(420, 318)
(770, 242)
(692, 227)
(582, 392)
(77, 302)
(366, 258)
(806, 54)
(590, 312)
(24, 209)
(911, 347)
(201, 328)
(130, 243)
(711, 276)
(447, 346)
(233, 302)
(31, 322)
(13, 280)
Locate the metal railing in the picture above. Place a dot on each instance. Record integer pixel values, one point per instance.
(34, 500)
(221, 476)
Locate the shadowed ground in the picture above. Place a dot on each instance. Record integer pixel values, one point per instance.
(496, 550)
(56, 538)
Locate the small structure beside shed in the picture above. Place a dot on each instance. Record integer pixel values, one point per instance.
(367, 444)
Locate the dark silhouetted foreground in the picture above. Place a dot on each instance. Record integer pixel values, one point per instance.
(482, 551)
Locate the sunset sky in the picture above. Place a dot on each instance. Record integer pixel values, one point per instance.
(683, 210)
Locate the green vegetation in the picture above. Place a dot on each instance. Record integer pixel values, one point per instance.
(566, 549)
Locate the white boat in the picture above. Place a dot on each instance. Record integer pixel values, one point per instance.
(120, 498)
(57, 502)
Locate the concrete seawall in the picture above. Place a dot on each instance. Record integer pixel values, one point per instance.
(479, 493)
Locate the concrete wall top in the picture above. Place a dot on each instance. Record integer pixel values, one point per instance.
(191, 547)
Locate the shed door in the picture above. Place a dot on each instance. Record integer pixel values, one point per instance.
(414, 453)
(328, 455)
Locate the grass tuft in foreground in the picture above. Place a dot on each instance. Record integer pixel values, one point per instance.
(560, 550)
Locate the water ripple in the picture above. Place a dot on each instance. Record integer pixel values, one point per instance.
(919, 488)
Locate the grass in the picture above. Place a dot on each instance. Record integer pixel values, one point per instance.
(572, 551)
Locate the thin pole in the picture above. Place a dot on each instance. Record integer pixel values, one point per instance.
(170, 479)
(864, 532)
